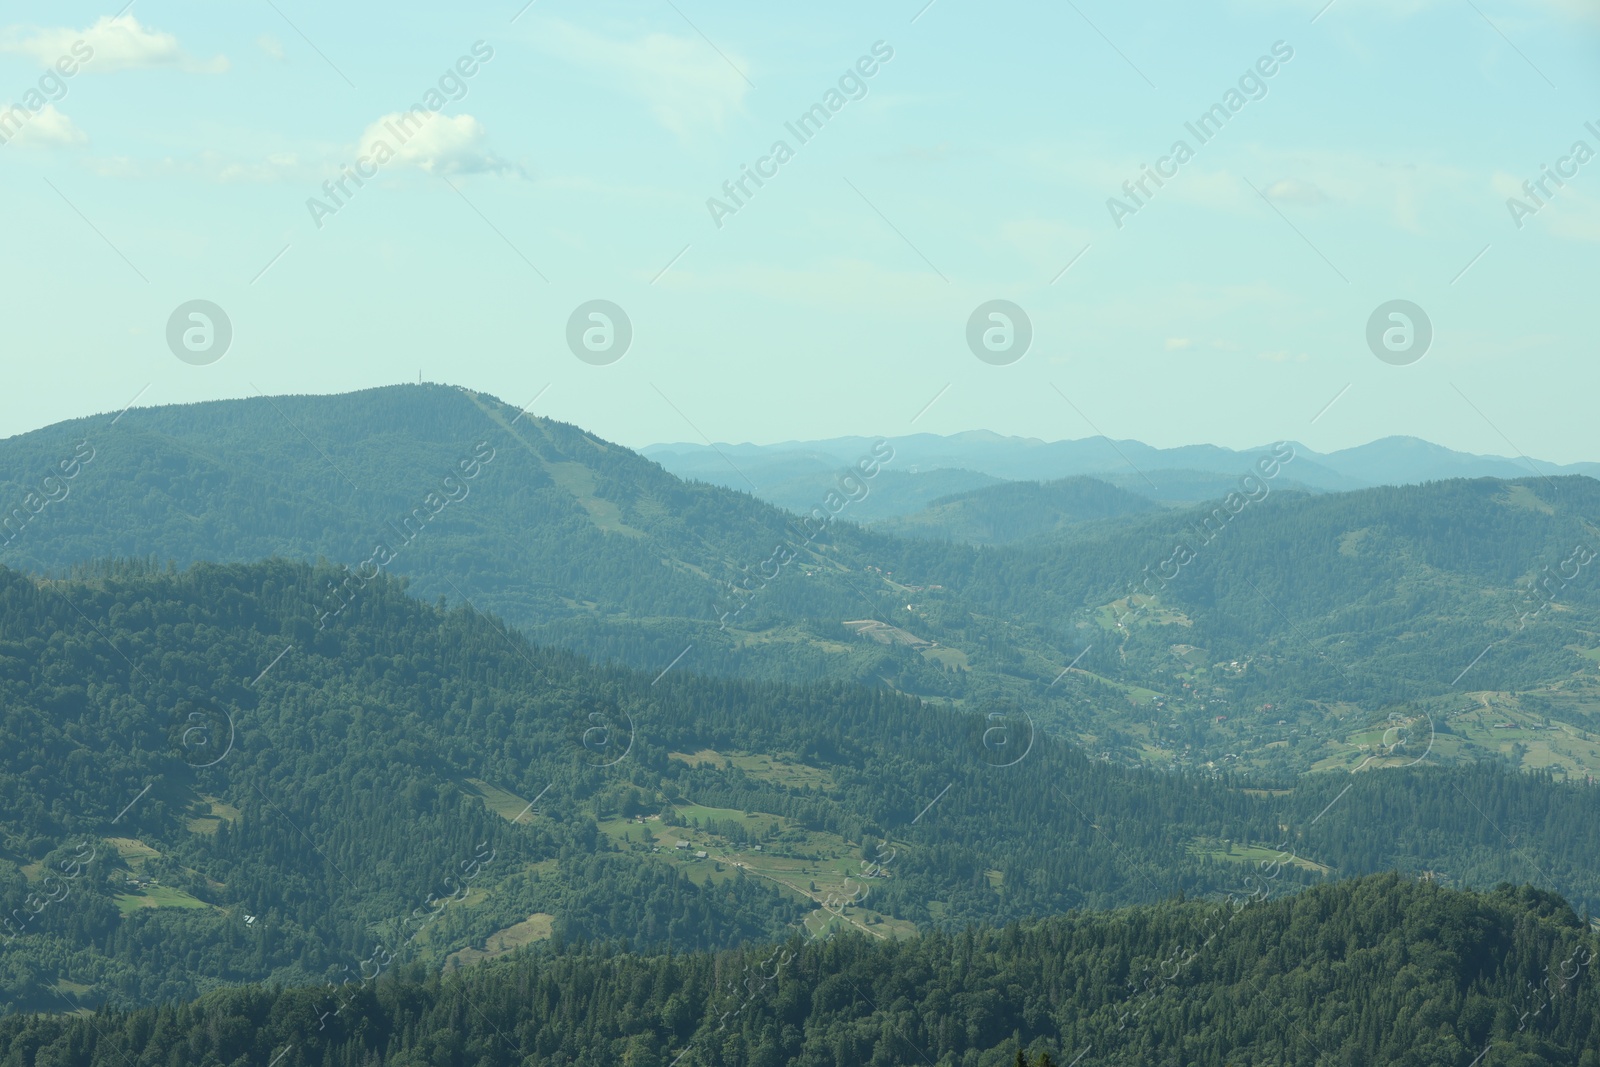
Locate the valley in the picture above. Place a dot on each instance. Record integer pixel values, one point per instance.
(529, 735)
(587, 546)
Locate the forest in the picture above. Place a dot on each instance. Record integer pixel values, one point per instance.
(1373, 597)
(189, 750)
(1364, 971)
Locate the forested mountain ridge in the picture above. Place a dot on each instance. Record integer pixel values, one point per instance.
(1377, 970)
(1462, 596)
(1016, 511)
(555, 526)
(792, 471)
(1189, 633)
(206, 782)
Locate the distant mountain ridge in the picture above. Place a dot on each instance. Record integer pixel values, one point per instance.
(1015, 511)
(1331, 607)
(1144, 469)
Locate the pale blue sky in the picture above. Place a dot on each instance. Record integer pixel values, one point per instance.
(976, 166)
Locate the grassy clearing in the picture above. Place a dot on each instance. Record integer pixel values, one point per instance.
(578, 480)
(790, 635)
(782, 772)
(778, 769)
(1567, 749)
(215, 813)
(953, 658)
(133, 851)
(157, 896)
(502, 802)
(705, 757)
(536, 927)
(1146, 610)
(1137, 693)
(812, 865)
(1252, 854)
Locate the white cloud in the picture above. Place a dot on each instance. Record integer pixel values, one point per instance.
(1048, 245)
(48, 127)
(1569, 213)
(438, 145)
(280, 166)
(685, 82)
(1575, 10)
(1295, 191)
(271, 46)
(1399, 192)
(443, 144)
(1177, 344)
(118, 43)
(210, 166)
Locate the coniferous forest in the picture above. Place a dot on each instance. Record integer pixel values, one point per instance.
(1373, 970)
(271, 799)
(704, 534)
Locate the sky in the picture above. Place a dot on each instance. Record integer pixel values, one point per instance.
(558, 154)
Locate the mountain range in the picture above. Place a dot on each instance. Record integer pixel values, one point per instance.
(791, 473)
(1179, 625)
(294, 687)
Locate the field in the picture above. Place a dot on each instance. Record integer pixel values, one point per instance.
(776, 769)
(146, 893)
(215, 812)
(157, 896)
(536, 927)
(502, 802)
(814, 866)
(1233, 852)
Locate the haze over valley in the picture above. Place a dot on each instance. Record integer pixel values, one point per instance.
(706, 535)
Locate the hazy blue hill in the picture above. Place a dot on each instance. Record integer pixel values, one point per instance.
(798, 482)
(1169, 475)
(1334, 604)
(1015, 511)
(894, 492)
(1177, 487)
(1010, 458)
(1385, 591)
(1401, 460)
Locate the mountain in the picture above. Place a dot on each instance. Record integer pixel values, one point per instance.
(1167, 475)
(1271, 631)
(1410, 460)
(801, 468)
(202, 785)
(1015, 511)
(892, 493)
(1373, 971)
(1178, 487)
(532, 519)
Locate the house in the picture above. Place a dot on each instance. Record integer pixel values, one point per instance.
(700, 855)
(682, 844)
